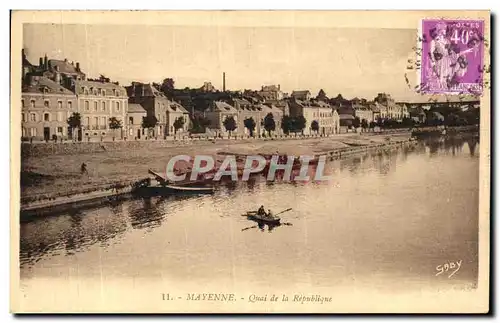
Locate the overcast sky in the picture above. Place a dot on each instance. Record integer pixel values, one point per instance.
(353, 62)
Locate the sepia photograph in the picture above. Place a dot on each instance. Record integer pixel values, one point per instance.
(250, 161)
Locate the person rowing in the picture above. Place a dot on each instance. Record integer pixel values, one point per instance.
(261, 210)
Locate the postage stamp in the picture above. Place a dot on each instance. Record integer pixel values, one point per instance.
(452, 56)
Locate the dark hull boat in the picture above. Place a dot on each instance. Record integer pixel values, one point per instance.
(163, 188)
(167, 190)
(263, 218)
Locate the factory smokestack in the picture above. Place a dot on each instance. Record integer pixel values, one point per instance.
(223, 81)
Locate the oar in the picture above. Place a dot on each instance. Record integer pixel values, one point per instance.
(283, 211)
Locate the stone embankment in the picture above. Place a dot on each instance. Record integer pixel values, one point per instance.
(61, 186)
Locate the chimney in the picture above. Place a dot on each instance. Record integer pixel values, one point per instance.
(65, 60)
(78, 66)
(223, 81)
(279, 87)
(40, 63)
(45, 62)
(23, 54)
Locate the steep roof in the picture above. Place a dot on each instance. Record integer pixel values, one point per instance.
(176, 107)
(138, 89)
(63, 66)
(300, 92)
(135, 108)
(224, 107)
(45, 85)
(80, 85)
(241, 101)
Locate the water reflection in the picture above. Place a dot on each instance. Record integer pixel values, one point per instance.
(261, 225)
(73, 232)
(146, 213)
(452, 145)
(379, 211)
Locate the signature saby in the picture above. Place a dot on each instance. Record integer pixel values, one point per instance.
(449, 266)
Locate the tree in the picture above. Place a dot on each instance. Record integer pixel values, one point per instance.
(287, 124)
(315, 126)
(178, 124)
(230, 124)
(149, 122)
(114, 124)
(356, 122)
(250, 125)
(269, 123)
(199, 123)
(168, 85)
(74, 122)
(364, 124)
(299, 124)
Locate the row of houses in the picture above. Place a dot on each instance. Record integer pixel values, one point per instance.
(54, 90)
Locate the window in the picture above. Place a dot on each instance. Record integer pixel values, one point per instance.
(24, 132)
(22, 103)
(60, 130)
(59, 116)
(103, 92)
(32, 102)
(117, 106)
(96, 121)
(95, 91)
(131, 120)
(87, 106)
(96, 104)
(103, 122)
(46, 117)
(33, 132)
(85, 91)
(32, 116)
(59, 104)
(103, 106)
(70, 105)
(46, 103)
(87, 121)
(114, 92)
(24, 117)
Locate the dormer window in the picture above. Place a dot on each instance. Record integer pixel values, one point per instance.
(46, 103)
(103, 92)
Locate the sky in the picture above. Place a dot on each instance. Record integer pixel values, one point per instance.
(350, 61)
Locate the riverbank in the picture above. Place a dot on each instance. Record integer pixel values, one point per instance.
(54, 180)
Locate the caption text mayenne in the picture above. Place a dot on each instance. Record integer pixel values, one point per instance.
(252, 298)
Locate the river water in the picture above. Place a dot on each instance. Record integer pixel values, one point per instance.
(384, 222)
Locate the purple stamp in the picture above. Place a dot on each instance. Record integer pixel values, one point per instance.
(452, 56)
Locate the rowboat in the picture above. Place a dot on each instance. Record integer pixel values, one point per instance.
(166, 190)
(163, 188)
(252, 215)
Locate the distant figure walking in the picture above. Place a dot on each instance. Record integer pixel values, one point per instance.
(83, 169)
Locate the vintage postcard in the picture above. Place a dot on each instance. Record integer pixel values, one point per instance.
(250, 161)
